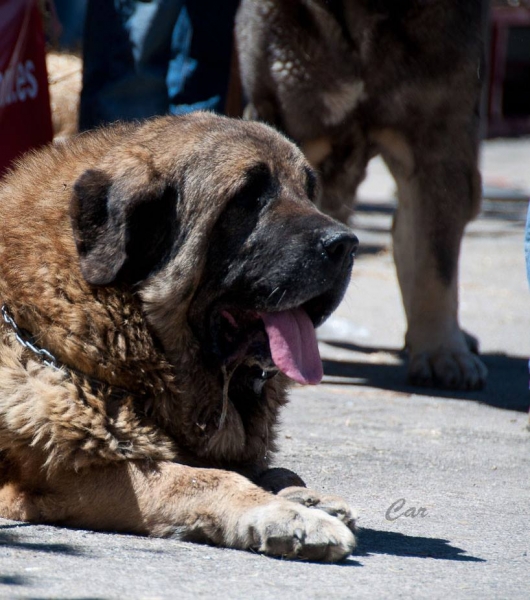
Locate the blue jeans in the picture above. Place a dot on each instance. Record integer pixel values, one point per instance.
(146, 58)
(71, 15)
(527, 256)
(527, 245)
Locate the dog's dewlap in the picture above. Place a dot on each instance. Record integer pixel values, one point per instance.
(293, 345)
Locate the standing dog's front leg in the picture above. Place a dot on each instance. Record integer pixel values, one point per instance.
(439, 192)
(171, 500)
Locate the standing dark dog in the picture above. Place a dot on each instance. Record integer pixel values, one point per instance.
(347, 79)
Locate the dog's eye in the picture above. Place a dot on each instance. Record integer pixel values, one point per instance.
(258, 188)
(311, 183)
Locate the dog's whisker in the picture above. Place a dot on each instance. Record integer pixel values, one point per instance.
(272, 293)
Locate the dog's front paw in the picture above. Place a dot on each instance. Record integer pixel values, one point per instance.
(454, 370)
(333, 505)
(282, 528)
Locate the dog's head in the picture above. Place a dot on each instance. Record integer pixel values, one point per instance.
(211, 220)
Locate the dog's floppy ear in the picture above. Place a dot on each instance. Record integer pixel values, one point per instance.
(122, 233)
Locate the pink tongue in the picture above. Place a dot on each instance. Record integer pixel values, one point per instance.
(293, 345)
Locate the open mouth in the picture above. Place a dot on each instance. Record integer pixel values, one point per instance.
(272, 340)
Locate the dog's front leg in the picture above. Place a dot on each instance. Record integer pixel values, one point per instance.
(171, 500)
(438, 188)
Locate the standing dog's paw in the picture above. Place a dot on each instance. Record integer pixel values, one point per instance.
(276, 479)
(284, 529)
(453, 370)
(333, 505)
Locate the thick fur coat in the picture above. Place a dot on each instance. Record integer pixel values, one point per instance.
(147, 258)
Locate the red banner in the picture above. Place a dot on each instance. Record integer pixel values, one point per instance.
(25, 119)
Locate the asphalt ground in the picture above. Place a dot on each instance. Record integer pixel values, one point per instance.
(440, 480)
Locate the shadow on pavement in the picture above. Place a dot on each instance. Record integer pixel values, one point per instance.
(372, 541)
(371, 249)
(13, 580)
(12, 540)
(506, 209)
(507, 385)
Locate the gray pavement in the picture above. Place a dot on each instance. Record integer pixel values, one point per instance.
(461, 457)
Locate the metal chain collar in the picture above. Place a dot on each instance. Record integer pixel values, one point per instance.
(26, 339)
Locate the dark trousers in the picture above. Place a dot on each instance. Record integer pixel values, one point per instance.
(155, 57)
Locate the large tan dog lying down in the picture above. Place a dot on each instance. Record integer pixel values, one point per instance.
(168, 277)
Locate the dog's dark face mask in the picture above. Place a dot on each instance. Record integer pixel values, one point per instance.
(240, 253)
(276, 268)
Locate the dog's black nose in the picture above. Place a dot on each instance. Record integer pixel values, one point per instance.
(340, 245)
